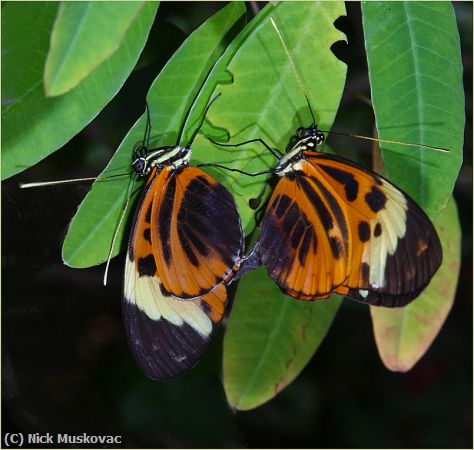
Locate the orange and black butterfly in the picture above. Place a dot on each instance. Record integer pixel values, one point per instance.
(334, 227)
(185, 247)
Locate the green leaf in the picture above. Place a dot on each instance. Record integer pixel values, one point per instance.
(170, 98)
(84, 35)
(262, 98)
(403, 335)
(270, 338)
(415, 70)
(33, 125)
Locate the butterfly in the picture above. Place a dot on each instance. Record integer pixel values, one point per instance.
(334, 227)
(185, 246)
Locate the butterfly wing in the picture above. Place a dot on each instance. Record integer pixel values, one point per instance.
(167, 336)
(196, 233)
(304, 239)
(367, 239)
(395, 248)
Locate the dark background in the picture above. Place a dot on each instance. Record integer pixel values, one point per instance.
(65, 363)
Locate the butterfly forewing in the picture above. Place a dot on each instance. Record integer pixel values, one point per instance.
(195, 232)
(344, 229)
(304, 238)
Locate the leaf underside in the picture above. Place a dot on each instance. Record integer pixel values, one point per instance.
(404, 335)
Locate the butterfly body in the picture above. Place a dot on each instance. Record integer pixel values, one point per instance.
(332, 226)
(185, 246)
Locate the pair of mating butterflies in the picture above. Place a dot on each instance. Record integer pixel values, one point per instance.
(331, 226)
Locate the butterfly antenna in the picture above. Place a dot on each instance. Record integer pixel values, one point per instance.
(202, 120)
(72, 180)
(301, 86)
(112, 245)
(293, 66)
(387, 141)
(147, 135)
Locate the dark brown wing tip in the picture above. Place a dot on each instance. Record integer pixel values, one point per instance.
(162, 350)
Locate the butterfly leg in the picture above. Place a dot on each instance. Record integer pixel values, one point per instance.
(276, 153)
(231, 169)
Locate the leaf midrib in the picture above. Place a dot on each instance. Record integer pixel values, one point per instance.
(279, 321)
(70, 47)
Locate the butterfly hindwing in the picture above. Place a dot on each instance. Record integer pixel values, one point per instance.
(395, 248)
(343, 229)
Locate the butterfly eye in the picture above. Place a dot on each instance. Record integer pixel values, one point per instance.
(299, 132)
(305, 132)
(319, 137)
(139, 166)
(139, 151)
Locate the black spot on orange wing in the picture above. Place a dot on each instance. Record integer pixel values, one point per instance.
(146, 266)
(363, 229)
(291, 217)
(280, 205)
(308, 241)
(365, 272)
(188, 235)
(375, 199)
(336, 247)
(148, 214)
(147, 235)
(138, 209)
(297, 234)
(184, 234)
(319, 206)
(334, 206)
(164, 219)
(351, 186)
(377, 230)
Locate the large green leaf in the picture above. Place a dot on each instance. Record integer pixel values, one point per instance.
(83, 36)
(270, 338)
(89, 237)
(264, 99)
(403, 335)
(34, 126)
(415, 70)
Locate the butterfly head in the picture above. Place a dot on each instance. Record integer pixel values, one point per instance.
(145, 159)
(306, 139)
(140, 164)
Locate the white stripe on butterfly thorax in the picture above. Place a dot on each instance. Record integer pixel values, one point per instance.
(391, 225)
(292, 160)
(173, 156)
(145, 293)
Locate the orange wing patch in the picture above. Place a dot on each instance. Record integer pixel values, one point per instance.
(303, 242)
(187, 233)
(195, 232)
